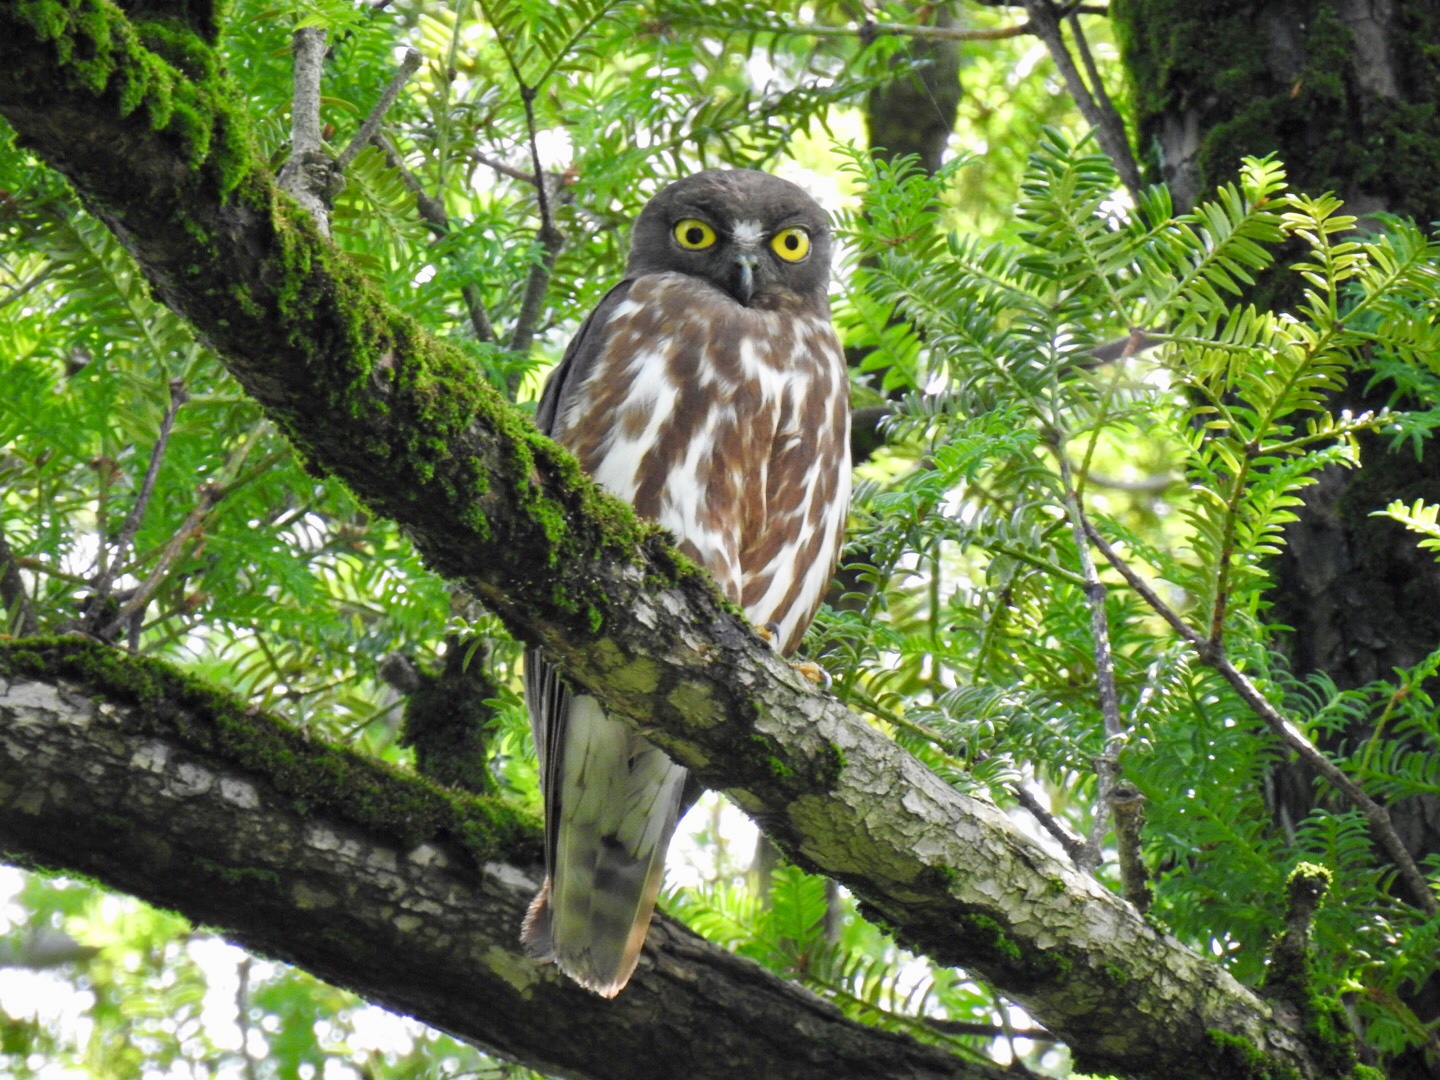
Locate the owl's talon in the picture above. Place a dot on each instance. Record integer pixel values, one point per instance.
(812, 671)
(770, 634)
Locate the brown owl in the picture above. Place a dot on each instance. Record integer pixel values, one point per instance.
(708, 390)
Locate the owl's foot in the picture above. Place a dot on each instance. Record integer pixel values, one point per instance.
(812, 671)
(770, 634)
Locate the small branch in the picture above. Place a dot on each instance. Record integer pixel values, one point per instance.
(1375, 814)
(990, 1031)
(1109, 128)
(504, 170)
(111, 566)
(1127, 807)
(206, 497)
(1097, 84)
(1073, 844)
(308, 46)
(242, 1015)
(432, 211)
(309, 177)
(551, 241)
(1146, 485)
(1142, 588)
(869, 30)
(1107, 765)
(13, 597)
(1214, 657)
(370, 126)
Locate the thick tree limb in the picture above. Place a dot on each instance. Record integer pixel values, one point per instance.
(408, 894)
(365, 394)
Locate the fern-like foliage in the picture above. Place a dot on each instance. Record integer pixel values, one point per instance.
(1023, 377)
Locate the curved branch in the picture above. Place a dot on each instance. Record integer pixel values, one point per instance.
(407, 894)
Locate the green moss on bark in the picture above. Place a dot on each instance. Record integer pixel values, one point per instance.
(315, 777)
(1286, 77)
(163, 67)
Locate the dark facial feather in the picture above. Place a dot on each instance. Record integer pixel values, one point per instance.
(740, 205)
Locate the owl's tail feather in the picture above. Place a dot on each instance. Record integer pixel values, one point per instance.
(619, 803)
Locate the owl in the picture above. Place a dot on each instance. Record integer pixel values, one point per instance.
(709, 391)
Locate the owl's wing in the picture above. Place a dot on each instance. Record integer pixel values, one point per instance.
(611, 798)
(579, 360)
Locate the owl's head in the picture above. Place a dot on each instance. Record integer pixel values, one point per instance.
(759, 238)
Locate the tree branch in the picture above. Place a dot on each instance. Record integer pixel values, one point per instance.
(1095, 106)
(551, 239)
(432, 211)
(310, 176)
(1107, 765)
(1213, 656)
(364, 393)
(370, 126)
(410, 894)
(111, 566)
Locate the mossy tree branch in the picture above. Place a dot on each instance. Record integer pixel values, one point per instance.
(379, 881)
(159, 151)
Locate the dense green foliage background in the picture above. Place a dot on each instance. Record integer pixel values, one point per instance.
(973, 301)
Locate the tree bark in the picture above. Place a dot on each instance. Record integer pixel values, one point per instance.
(375, 881)
(365, 394)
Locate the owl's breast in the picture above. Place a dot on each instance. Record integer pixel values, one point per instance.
(691, 404)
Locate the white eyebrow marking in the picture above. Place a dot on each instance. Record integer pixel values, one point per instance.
(748, 233)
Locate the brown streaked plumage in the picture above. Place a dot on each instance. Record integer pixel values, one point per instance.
(708, 390)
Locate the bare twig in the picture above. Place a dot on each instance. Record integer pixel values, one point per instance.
(206, 497)
(309, 177)
(127, 617)
(113, 558)
(503, 169)
(551, 240)
(242, 1014)
(1096, 107)
(1145, 485)
(1092, 72)
(370, 126)
(1214, 656)
(1073, 844)
(869, 31)
(432, 211)
(1107, 765)
(1127, 807)
(992, 1031)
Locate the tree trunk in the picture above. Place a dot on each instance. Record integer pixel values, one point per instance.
(1347, 94)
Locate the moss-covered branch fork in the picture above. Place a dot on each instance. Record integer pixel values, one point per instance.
(409, 893)
(147, 128)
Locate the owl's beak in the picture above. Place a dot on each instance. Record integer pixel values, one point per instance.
(744, 276)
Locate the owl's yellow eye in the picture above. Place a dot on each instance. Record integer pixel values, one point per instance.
(693, 234)
(791, 244)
